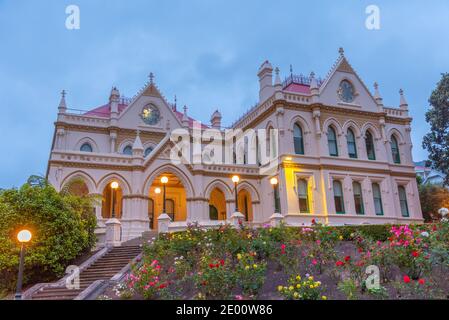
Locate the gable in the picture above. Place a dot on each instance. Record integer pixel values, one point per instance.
(149, 96)
(329, 91)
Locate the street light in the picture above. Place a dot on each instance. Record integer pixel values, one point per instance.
(23, 236)
(164, 181)
(236, 180)
(274, 182)
(114, 186)
(157, 190)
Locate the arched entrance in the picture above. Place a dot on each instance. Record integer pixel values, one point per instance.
(112, 201)
(245, 204)
(217, 205)
(76, 187)
(175, 199)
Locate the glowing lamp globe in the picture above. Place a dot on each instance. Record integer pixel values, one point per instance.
(114, 185)
(157, 190)
(164, 179)
(235, 179)
(274, 181)
(24, 236)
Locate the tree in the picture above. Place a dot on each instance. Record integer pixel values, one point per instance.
(437, 140)
(62, 225)
(433, 197)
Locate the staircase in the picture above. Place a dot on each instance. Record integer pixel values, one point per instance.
(102, 269)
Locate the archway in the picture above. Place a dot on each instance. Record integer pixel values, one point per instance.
(76, 187)
(245, 204)
(175, 199)
(112, 200)
(217, 205)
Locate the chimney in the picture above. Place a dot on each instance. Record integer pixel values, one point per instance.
(265, 75)
(215, 120)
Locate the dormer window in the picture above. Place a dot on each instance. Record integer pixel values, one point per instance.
(128, 150)
(346, 91)
(86, 147)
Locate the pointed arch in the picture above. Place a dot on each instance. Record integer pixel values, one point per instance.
(334, 123)
(245, 185)
(124, 185)
(351, 124)
(371, 127)
(395, 132)
(219, 184)
(124, 144)
(170, 168)
(88, 180)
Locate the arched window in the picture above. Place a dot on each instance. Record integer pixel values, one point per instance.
(128, 150)
(298, 139)
(332, 142)
(369, 143)
(147, 151)
(86, 147)
(358, 198)
(303, 195)
(377, 196)
(338, 197)
(403, 201)
(352, 147)
(395, 150)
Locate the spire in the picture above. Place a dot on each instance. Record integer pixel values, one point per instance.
(137, 143)
(185, 118)
(175, 105)
(151, 76)
(403, 103)
(277, 80)
(341, 51)
(115, 94)
(62, 105)
(377, 96)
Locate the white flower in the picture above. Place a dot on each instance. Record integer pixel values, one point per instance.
(424, 234)
(443, 212)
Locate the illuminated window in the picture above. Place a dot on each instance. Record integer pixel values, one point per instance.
(358, 198)
(303, 196)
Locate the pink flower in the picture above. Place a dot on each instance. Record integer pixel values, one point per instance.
(314, 262)
(421, 281)
(238, 297)
(406, 279)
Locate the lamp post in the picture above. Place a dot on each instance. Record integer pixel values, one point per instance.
(23, 236)
(164, 181)
(274, 182)
(114, 186)
(236, 180)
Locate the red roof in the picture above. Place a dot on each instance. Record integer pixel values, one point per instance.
(299, 88)
(104, 111)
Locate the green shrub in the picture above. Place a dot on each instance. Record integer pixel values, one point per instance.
(62, 226)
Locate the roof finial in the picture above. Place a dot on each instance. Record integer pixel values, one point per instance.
(151, 76)
(276, 71)
(185, 109)
(277, 80)
(376, 86)
(403, 103)
(377, 96)
(341, 51)
(175, 105)
(62, 104)
(291, 70)
(63, 93)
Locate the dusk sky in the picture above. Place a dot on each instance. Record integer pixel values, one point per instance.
(205, 52)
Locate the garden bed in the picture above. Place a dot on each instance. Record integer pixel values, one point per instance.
(322, 262)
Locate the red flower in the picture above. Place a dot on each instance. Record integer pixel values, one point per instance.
(421, 281)
(313, 221)
(415, 254)
(222, 262)
(347, 258)
(283, 246)
(339, 263)
(406, 279)
(360, 250)
(162, 286)
(217, 265)
(211, 265)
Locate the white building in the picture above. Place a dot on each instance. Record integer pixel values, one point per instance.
(342, 157)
